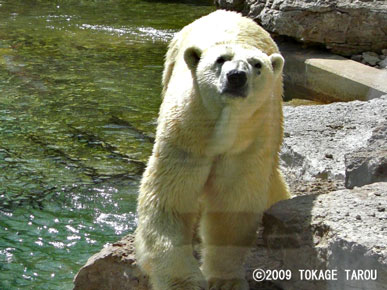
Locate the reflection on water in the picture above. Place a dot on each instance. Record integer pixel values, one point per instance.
(80, 85)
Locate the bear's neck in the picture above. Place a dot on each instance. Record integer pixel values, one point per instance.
(224, 132)
(234, 131)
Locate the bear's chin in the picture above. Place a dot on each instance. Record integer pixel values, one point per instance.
(234, 93)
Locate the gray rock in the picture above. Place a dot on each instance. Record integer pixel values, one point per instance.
(357, 57)
(114, 267)
(235, 5)
(383, 63)
(339, 231)
(370, 58)
(346, 27)
(318, 137)
(368, 164)
(344, 230)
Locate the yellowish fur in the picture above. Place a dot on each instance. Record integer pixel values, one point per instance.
(213, 152)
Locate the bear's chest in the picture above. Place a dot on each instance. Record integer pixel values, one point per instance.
(231, 134)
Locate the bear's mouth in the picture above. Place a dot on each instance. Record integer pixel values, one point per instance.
(235, 92)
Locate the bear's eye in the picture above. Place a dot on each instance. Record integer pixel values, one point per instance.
(220, 60)
(258, 65)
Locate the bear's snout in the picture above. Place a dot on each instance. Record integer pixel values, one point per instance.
(236, 79)
(235, 83)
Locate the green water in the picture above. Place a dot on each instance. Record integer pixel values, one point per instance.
(79, 96)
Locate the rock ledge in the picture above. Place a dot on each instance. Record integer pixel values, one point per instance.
(342, 230)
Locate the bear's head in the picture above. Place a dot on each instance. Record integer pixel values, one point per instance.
(233, 74)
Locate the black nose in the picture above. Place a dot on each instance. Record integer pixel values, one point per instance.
(236, 78)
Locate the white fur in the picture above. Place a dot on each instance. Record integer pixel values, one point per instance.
(215, 156)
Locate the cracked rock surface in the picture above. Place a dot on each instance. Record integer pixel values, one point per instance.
(342, 230)
(368, 164)
(317, 139)
(343, 26)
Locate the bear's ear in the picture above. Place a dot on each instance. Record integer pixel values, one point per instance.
(192, 56)
(277, 62)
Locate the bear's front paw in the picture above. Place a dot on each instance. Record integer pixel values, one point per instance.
(229, 284)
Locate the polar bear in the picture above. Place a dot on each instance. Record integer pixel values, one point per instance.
(215, 156)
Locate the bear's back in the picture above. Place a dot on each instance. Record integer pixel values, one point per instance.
(226, 27)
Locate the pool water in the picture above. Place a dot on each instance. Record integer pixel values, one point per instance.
(80, 91)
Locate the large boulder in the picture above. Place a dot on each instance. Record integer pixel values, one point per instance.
(368, 164)
(317, 139)
(114, 267)
(346, 27)
(343, 232)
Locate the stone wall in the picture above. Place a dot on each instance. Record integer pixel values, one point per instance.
(345, 27)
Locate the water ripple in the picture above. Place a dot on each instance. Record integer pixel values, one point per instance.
(139, 33)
